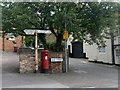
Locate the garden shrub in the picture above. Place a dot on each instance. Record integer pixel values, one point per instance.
(51, 45)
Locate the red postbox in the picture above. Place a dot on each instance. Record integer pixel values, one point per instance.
(15, 49)
(45, 61)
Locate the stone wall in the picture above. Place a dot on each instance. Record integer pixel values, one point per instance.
(58, 66)
(27, 62)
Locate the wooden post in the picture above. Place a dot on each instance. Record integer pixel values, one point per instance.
(36, 52)
(32, 32)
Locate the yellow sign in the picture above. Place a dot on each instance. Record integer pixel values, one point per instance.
(65, 36)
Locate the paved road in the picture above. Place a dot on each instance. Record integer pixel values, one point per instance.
(12, 79)
(88, 75)
(81, 75)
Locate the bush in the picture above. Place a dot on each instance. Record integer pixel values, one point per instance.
(51, 45)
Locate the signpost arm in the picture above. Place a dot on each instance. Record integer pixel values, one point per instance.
(36, 52)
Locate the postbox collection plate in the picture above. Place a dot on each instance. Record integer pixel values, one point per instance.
(45, 57)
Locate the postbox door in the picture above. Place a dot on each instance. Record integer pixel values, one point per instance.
(45, 61)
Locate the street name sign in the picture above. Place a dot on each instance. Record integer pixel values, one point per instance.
(56, 59)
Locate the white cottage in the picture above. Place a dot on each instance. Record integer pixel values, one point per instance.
(102, 54)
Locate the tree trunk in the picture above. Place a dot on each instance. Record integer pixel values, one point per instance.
(59, 44)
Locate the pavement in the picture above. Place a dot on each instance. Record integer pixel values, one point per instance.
(82, 74)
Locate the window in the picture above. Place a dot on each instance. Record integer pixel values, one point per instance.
(117, 52)
(102, 49)
(11, 36)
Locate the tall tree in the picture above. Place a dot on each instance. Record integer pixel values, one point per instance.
(20, 16)
(84, 18)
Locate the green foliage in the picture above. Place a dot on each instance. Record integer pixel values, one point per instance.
(83, 19)
(14, 42)
(51, 46)
(93, 21)
(29, 41)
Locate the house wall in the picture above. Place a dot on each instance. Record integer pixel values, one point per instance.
(69, 43)
(8, 44)
(90, 51)
(50, 37)
(117, 58)
(93, 53)
(117, 40)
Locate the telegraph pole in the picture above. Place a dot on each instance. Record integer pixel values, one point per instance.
(65, 46)
(3, 36)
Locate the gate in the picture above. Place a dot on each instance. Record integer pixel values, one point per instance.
(77, 50)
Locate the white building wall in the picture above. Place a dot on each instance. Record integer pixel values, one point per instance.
(107, 56)
(90, 51)
(93, 53)
(117, 58)
(69, 42)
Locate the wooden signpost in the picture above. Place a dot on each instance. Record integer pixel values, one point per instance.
(32, 32)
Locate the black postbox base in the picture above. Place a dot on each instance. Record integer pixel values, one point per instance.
(44, 70)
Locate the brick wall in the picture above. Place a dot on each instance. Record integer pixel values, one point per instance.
(58, 66)
(50, 37)
(1, 43)
(8, 44)
(27, 63)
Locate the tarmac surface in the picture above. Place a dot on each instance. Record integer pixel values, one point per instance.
(82, 74)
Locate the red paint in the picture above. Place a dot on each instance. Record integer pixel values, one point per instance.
(45, 59)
